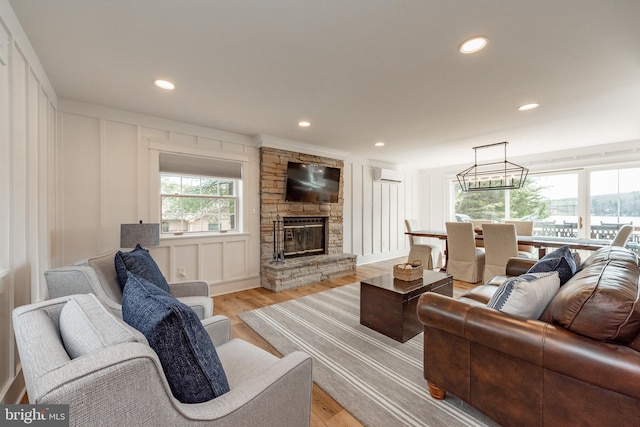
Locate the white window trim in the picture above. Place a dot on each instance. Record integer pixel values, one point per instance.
(152, 205)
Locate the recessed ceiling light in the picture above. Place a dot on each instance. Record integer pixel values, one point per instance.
(164, 84)
(379, 144)
(304, 124)
(528, 106)
(473, 45)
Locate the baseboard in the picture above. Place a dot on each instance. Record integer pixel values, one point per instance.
(368, 259)
(234, 286)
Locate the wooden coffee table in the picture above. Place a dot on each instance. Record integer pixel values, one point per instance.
(388, 305)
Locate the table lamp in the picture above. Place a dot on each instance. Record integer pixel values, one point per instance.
(143, 234)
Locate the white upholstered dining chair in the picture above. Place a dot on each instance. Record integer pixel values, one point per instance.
(420, 249)
(465, 262)
(500, 244)
(622, 236)
(477, 228)
(523, 228)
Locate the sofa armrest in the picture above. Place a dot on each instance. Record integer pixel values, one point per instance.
(280, 395)
(189, 288)
(517, 266)
(445, 313)
(203, 306)
(66, 281)
(85, 375)
(79, 279)
(219, 329)
(195, 294)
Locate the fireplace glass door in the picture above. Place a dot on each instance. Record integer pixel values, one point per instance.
(304, 236)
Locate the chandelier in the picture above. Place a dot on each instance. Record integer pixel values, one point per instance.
(500, 175)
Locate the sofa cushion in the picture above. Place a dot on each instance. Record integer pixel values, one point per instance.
(560, 260)
(610, 253)
(526, 295)
(601, 301)
(86, 326)
(140, 263)
(188, 357)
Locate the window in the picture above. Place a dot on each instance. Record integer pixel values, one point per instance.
(199, 194)
(614, 201)
(550, 200)
(555, 197)
(192, 204)
(557, 207)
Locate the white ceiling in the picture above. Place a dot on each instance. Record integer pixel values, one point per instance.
(360, 70)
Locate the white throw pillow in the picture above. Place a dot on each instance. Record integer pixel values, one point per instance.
(526, 295)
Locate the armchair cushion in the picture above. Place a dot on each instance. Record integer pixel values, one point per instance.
(559, 260)
(527, 295)
(86, 326)
(188, 357)
(140, 263)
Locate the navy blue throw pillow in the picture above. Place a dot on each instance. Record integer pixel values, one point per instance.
(188, 357)
(560, 260)
(140, 263)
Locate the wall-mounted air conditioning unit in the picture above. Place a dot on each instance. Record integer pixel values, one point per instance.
(387, 175)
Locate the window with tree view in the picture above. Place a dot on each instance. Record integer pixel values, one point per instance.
(198, 204)
(556, 207)
(549, 200)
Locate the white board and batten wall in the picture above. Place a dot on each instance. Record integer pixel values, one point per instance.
(375, 210)
(115, 180)
(27, 184)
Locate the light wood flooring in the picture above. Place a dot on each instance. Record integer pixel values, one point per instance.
(324, 410)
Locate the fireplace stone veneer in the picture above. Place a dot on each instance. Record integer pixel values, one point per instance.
(297, 270)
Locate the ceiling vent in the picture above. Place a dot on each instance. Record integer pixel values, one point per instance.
(387, 175)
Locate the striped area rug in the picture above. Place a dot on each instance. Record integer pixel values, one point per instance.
(378, 380)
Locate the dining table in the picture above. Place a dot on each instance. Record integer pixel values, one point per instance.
(539, 242)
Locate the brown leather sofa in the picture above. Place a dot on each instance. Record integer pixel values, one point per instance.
(578, 365)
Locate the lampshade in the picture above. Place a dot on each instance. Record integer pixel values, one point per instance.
(503, 175)
(143, 234)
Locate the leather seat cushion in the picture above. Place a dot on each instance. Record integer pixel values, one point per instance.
(483, 293)
(601, 301)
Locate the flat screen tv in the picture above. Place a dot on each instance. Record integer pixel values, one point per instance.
(312, 183)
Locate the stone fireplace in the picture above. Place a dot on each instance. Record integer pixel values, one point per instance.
(311, 235)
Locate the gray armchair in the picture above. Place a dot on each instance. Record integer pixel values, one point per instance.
(98, 276)
(113, 377)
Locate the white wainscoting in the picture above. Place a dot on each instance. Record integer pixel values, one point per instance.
(222, 261)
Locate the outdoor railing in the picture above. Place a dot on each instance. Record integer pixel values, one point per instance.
(570, 229)
(566, 229)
